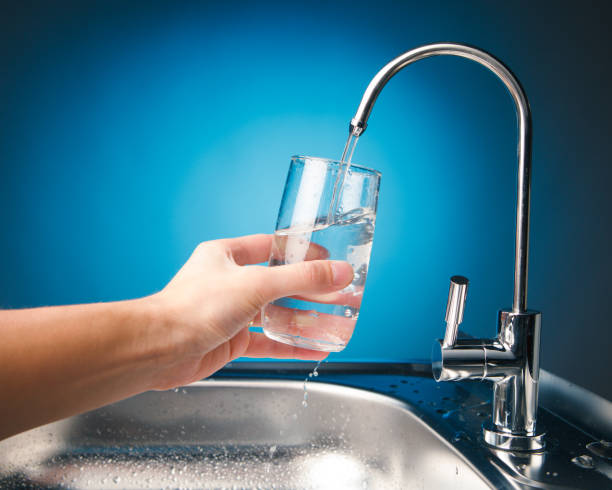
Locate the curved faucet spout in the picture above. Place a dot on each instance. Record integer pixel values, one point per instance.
(359, 124)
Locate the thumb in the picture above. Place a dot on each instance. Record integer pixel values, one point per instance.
(312, 276)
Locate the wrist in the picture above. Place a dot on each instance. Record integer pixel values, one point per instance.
(153, 319)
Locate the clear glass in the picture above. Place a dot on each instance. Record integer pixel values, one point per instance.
(314, 222)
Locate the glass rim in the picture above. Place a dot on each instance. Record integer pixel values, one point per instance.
(338, 162)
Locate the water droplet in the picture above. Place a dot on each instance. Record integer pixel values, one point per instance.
(459, 435)
(348, 313)
(602, 448)
(584, 461)
(117, 479)
(304, 403)
(315, 373)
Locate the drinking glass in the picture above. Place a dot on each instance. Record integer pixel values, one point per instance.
(328, 211)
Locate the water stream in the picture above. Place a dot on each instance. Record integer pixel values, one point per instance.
(347, 156)
(310, 375)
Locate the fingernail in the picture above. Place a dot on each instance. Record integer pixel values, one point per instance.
(342, 273)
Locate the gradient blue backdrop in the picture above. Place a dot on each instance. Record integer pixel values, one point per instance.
(131, 131)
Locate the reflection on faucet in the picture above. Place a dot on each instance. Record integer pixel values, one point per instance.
(511, 359)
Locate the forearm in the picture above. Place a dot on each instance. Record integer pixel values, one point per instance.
(59, 361)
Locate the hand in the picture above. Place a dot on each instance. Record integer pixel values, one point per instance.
(204, 312)
(63, 360)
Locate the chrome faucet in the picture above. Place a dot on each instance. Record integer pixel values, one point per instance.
(512, 359)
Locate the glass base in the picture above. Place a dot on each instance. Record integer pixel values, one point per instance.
(304, 342)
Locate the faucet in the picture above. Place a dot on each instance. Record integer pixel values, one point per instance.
(512, 359)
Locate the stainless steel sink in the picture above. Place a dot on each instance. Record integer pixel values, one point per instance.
(241, 434)
(249, 429)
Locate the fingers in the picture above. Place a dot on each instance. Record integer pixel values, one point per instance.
(350, 298)
(254, 249)
(292, 249)
(310, 324)
(262, 346)
(250, 249)
(310, 277)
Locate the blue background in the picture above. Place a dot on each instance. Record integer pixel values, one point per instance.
(131, 131)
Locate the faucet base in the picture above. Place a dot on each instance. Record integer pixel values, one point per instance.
(511, 442)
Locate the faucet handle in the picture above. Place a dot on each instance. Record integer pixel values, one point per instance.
(454, 308)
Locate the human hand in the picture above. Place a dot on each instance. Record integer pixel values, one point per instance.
(202, 315)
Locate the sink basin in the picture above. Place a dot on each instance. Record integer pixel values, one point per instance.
(240, 434)
(374, 426)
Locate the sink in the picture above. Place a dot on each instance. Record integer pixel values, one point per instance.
(247, 428)
(241, 433)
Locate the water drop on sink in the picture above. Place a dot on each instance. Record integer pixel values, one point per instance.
(584, 461)
(459, 435)
(602, 448)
